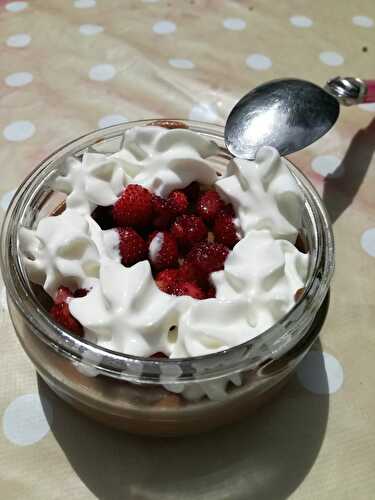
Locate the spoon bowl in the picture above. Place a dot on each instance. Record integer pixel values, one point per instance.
(288, 114)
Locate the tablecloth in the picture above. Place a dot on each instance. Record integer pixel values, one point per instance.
(68, 67)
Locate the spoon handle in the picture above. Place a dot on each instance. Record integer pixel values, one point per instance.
(369, 96)
(349, 90)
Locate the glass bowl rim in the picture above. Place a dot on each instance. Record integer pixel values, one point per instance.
(71, 346)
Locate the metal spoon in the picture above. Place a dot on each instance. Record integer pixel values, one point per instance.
(290, 114)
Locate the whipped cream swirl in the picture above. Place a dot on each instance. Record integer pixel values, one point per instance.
(124, 309)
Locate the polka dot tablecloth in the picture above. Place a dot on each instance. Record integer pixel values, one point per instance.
(68, 67)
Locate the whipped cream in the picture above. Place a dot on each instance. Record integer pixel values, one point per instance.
(264, 194)
(155, 246)
(125, 310)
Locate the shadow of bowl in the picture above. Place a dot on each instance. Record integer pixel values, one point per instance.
(264, 457)
(341, 187)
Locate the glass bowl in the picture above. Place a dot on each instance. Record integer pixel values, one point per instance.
(144, 395)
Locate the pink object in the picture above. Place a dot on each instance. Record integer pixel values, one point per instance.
(370, 94)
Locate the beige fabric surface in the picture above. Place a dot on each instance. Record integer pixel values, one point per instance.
(303, 446)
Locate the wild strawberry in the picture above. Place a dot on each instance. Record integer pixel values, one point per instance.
(188, 230)
(159, 355)
(132, 247)
(134, 207)
(163, 215)
(178, 202)
(188, 272)
(103, 216)
(298, 294)
(162, 250)
(225, 230)
(62, 295)
(300, 244)
(61, 314)
(188, 288)
(208, 257)
(209, 205)
(167, 279)
(227, 210)
(192, 191)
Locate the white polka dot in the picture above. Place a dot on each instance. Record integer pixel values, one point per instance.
(320, 373)
(6, 199)
(234, 23)
(258, 62)
(19, 40)
(164, 27)
(84, 4)
(102, 72)
(90, 29)
(368, 241)
(203, 112)
(369, 106)
(325, 164)
(18, 79)
(331, 58)
(108, 120)
(19, 131)
(181, 63)
(24, 421)
(301, 21)
(16, 6)
(363, 21)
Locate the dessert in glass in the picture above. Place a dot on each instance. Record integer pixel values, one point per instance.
(160, 285)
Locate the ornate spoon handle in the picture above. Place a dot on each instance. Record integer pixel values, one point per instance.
(349, 91)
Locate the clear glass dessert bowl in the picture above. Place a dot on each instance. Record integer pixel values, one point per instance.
(143, 395)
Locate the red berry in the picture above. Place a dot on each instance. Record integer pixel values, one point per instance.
(163, 215)
(225, 230)
(192, 191)
(62, 295)
(178, 201)
(80, 292)
(61, 314)
(167, 279)
(132, 247)
(188, 272)
(208, 257)
(134, 207)
(209, 205)
(211, 292)
(299, 293)
(103, 216)
(187, 288)
(188, 230)
(227, 210)
(162, 250)
(300, 244)
(159, 355)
